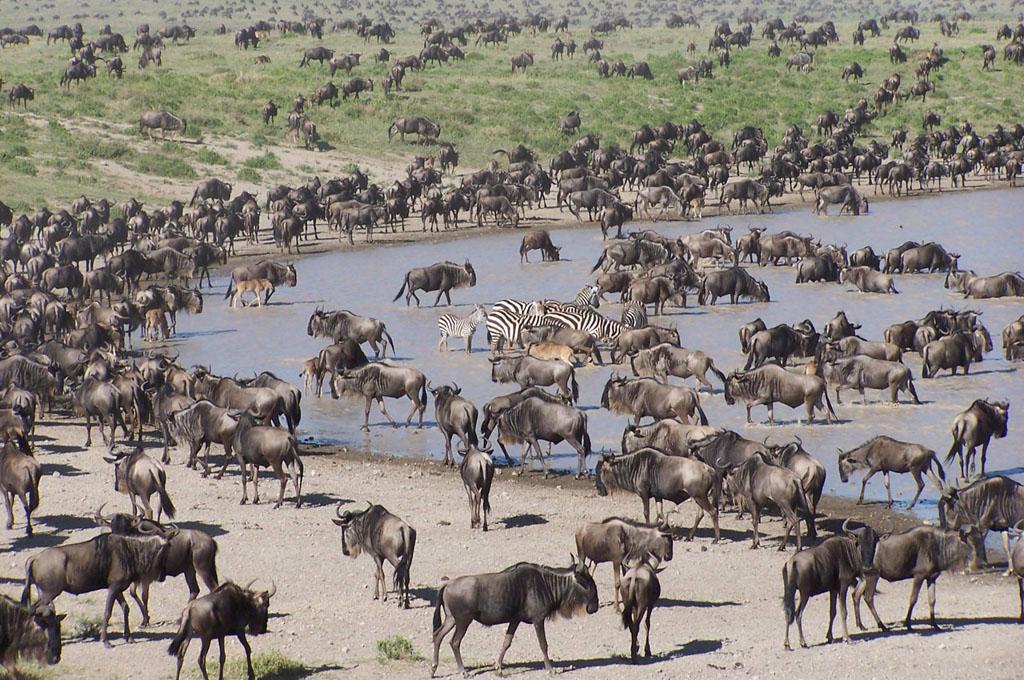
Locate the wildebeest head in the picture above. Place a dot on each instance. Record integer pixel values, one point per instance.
(472, 273)
(41, 639)
(733, 381)
(259, 602)
(847, 464)
(351, 529)
(603, 467)
(611, 389)
(583, 594)
(951, 512)
(444, 393)
(866, 540)
(121, 461)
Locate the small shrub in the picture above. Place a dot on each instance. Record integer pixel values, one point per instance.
(396, 648)
(249, 175)
(19, 165)
(164, 166)
(99, 148)
(211, 157)
(265, 161)
(88, 627)
(272, 665)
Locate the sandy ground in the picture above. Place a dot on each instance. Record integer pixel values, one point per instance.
(720, 613)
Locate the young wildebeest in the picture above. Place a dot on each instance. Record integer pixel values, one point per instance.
(860, 372)
(228, 610)
(30, 632)
(141, 476)
(756, 484)
(442, 277)
(522, 593)
(834, 567)
(981, 421)
(342, 355)
(538, 239)
(640, 591)
(266, 446)
(105, 561)
(616, 540)
(885, 454)
(664, 360)
(530, 372)
(921, 553)
(477, 472)
(991, 503)
(19, 476)
(377, 381)
(384, 537)
(455, 416)
(649, 473)
(643, 397)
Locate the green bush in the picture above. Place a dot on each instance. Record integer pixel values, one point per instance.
(396, 648)
(265, 161)
(86, 149)
(18, 165)
(210, 157)
(272, 665)
(249, 175)
(164, 166)
(88, 627)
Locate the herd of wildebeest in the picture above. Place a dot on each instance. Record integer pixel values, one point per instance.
(66, 350)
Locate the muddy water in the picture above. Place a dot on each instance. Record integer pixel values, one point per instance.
(985, 227)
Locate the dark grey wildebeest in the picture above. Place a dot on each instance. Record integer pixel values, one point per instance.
(378, 381)
(616, 540)
(19, 476)
(291, 395)
(839, 327)
(781, 343)
(28, 632)
(422, 127)
(921, 554)
(341, 355)
(885, 454)
(212, 188)
(771, 383)
(746, 189)
(757, 483)
(140, 476)
(345, 325)
(266, 403)
(867, 280)
(522, 593)
(666, 359)
(1007, 284)
(833, 567)
(456, 416)
(536, 419)
(163, 121)
(642, 397)
(493, 408)
(228, 610)
(100, 400)
(845, 196)
(958, 349)
(651, 474)
(640, 592)
(853, 346)
(382, 536)
(668, 436)
(809, 469)
(860, 372)
(265, 446)
(994, 503)
(477, 473)
(735, 283)
(277, 273)
(441, 276)
(202, 423)
(106, 561)
(528, 371)
(974, 426)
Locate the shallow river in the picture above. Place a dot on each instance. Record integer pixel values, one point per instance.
(985, 227)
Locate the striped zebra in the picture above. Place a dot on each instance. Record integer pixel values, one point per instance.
(505, 328)
(519, 307)
(634, 315)
(451, 326)
(599, 326)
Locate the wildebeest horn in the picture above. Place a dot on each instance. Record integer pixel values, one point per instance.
(572, 561)
(273, 589)
(249, 584)
(1019, 526)
(798, 440)
(846, 530)
(98, 515)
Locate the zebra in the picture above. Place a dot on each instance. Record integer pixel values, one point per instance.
(519, 307)
(505, 328)
(587, 297)
(451, 326)
(634, 315)
(599, 326)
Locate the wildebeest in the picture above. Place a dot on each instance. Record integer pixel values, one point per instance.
(161, 120)
(382, 536)
(528, 371)
(770, 383)
(867, 280)
(666, 359)
(921, 553)
(202, 422)
(746, 189)
(848, 198)
(19, 476)
(617, 540)
(538, 239)
(974, 426)
(668, 436)
(101, 400)
(834, 566)
(342, 325)
(277, 273)
(735, 283)
(319, 54)
(106, 561)
(642, 397)
(757, 483)
(992, 503)
(264, 402)
(649, 473)
(212, 188)
(640, 591)
(455, 416)
(376, 381)
(885, 454)
(958, 349)
(140, 476)
(929, 256)
(264, 446)
(853, 346)
(228, 610)
(522, 593)
(441, 276)
(534, 419)
(477, 473)
(28, 631)
(424, 128)
(860, 372)
(1007, 284)
(781, 343)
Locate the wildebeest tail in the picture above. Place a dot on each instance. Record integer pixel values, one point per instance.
(828, 404)
(587, 448)
(401, 579)
(600, 261)
(438, 606)
(702, 293)
(231, 289)
(401, 290)
(716, 488)
(485, 491)
(387, 336)
(808, 515)
(165, 500)
(628, 603)
(958, 443)
(934, 462)
(26, 593)
(575, 387)
(789, 591)
(184, 631)
(700, 409)
(33, 492)
(714, 369)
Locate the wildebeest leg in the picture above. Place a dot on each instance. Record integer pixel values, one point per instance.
(771, 413)
(202, 658)
(984, 455)
(379, 584)
(920, 487)
(542, 640)
(915, 591)
(647, 508)
(88, 430)
(510, 633)
(868, 590)
(755, 517)
(647, 626)
(864, 483)
(181, 656)
(460, 632)
(222, 656)
(831, 615)
(283, 478)
(8, 500)
(142, 602)
(439, 634)
(931, 603)
(245, 477)
(888, 491)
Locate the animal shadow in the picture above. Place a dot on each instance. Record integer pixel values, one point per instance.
(699, 604)
(525, 519)
(319, 500)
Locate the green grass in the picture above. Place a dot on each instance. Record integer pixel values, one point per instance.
(164, 166)
(210, 157)
(396, 648)
(271, 665)
(265, 161)
(250, 175)
(88, 627)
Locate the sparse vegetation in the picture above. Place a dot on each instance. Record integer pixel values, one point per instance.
(265, 161)
(271, 665)
(88, 627)
(249, 175)
(396, 648)
(164, 166)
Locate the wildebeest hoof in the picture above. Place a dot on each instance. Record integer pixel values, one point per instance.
(243, 501)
